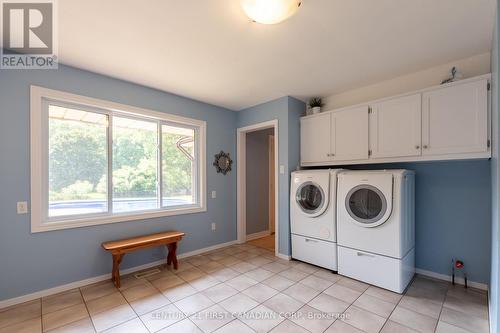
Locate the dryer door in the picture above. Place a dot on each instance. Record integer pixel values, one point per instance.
(311, 199)
(367, 206)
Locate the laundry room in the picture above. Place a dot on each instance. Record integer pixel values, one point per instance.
(250, 166)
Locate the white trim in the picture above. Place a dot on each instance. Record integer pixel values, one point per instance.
(108, 105)
(449, 157)
(38, 161)
(206, 249)
(283, 256)
(272, 223)
(458, 280)
(257, 235)
(241, 178)
(91, 221)
(95, 279)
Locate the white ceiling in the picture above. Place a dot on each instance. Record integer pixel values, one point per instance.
(209, 50)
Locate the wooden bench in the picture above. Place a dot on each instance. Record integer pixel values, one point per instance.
(120, 247)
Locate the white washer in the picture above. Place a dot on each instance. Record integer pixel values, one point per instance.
(313, 215)
(376, 227)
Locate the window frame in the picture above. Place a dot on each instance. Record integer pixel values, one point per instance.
(39, 99)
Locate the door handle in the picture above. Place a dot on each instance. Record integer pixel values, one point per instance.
(311, 240)
(361, 254)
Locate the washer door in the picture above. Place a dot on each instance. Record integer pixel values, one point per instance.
(367, 205)
(311, 199)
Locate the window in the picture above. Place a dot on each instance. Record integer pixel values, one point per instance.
(96, 162)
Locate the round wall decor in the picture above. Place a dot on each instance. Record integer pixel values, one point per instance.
(222, 162)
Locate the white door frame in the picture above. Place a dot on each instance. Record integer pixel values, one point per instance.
(241, 133)
(272, 222)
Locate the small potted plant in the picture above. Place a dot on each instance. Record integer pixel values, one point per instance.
(315, 104)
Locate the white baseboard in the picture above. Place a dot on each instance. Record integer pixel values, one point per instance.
(206, 249)
(82, 283)
(258, 235)
(458, 280)
(283, 256)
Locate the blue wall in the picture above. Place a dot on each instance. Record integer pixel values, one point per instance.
(31, 262)
(495, 183)
(452, 215)
(257, 180)
(287, 111)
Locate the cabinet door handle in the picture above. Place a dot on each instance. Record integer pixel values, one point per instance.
(425, 146)
(361, 254)
(311, 240)
(417, 147)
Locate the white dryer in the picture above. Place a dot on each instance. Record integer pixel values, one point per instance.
(376, 227)
(312, 216)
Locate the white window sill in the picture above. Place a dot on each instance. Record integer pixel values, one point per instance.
(39, 226)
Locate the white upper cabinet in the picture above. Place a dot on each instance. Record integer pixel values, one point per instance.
(395, 127)
(349, 134)
(455, 119)
(444, 122)
(315, 139)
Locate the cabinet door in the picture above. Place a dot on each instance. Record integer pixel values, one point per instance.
(315, 139)
(395, 127)
(349, 139)
(454, 119)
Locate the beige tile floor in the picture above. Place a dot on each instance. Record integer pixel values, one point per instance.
(244, 288)
(266, 242)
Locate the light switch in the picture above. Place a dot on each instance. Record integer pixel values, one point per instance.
(214, 226)
(22, 207)
(214, 194)
(282, 169)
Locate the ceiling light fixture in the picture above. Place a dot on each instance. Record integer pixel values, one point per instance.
(269, 11)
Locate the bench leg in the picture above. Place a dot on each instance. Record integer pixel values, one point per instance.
(117, 259)
(169, 255)
(172, 254)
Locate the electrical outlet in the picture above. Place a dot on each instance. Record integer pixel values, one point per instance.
(214, 194)
(282, 169)
(22, 207)
(214, 227)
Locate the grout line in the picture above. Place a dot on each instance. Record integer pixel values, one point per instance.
(86, 308)
(397, 304)
(441, 308)
(386, 319)
(41, 314)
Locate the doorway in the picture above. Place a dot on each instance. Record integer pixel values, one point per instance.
(257, 185)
